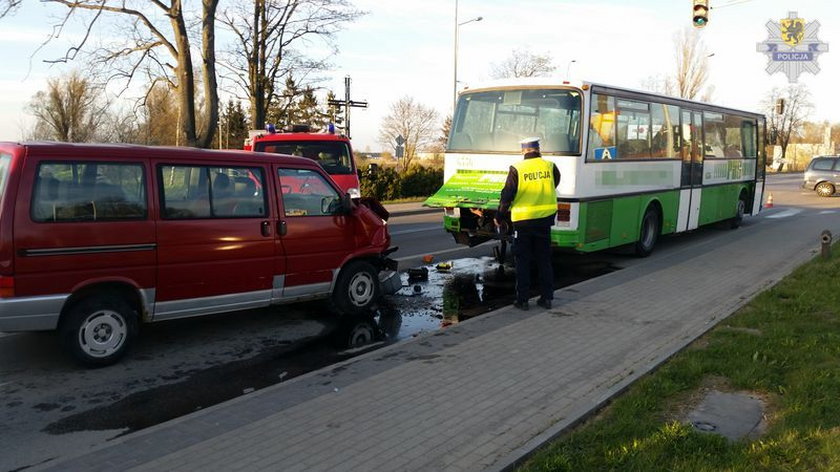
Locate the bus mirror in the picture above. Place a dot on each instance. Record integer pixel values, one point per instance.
(373, 169)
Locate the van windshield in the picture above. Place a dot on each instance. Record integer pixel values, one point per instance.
(334, 156)
(5, 163)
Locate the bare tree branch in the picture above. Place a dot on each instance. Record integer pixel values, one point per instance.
(159, 26)
(8, 6)
(417, 124)
(523, 63)
(692, 64)
(266, 33)
(781, 128)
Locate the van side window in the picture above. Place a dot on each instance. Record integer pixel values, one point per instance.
(191, 192)
(307, 193)
(88, 191)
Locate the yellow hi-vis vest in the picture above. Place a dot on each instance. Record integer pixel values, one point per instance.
(535, 196)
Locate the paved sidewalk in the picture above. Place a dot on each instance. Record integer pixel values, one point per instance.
(482, 394)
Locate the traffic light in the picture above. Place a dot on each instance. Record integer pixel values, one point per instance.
(780, 106)
(701, 13)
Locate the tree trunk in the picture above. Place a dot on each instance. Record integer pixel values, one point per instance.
(256, 65)
(184, 73)
(208, 68)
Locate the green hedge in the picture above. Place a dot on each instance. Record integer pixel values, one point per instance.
(387, 184)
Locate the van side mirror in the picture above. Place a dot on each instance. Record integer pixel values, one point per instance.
(346, 204)
(336, 206)
(372, 169)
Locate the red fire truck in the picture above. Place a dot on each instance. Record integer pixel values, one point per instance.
(332, 151)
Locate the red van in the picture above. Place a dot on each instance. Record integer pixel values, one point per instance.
(332, 151)
(95, 239)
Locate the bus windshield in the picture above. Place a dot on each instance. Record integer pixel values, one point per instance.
(495, 121)
(334, 156)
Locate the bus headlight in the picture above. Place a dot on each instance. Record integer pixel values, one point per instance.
(452, 212)
(354, 193)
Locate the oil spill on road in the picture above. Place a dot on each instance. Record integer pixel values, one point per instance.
(224, 382)
(465, 288)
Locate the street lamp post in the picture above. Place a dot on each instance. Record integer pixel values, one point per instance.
(569, 67)
(455, 67)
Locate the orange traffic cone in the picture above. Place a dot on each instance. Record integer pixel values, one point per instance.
(769, 203)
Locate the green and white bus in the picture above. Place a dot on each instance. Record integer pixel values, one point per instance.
(634, 165)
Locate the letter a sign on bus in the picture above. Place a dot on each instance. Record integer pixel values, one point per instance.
(793, 46)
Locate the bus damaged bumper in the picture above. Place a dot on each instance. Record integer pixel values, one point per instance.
(470, 202)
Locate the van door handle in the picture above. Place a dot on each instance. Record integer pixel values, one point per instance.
(265, 228)
(281, 228)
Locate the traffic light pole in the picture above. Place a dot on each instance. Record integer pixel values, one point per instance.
(347, 104)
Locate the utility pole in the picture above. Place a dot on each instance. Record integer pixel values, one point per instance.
(347, 104)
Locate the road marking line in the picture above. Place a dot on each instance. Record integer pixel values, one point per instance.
(828, 212)
(417, 230)
(785, 214)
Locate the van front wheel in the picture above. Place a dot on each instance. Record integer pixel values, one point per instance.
(99, 330)
(357, 288)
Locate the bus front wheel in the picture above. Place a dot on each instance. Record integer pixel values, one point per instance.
(648, 233)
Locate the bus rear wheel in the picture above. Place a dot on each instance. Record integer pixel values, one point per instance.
(736, 220)
(648, 233)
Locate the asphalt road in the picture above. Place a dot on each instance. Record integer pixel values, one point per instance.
(50, 407)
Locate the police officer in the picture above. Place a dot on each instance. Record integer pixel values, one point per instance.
(529, 200)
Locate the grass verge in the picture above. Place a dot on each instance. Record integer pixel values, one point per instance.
(784, 347)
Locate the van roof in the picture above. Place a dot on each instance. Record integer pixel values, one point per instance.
(301, 137)
(81, 150)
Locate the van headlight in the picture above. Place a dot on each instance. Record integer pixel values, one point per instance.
(354, 193)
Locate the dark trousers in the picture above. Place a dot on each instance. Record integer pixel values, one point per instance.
(532, 245)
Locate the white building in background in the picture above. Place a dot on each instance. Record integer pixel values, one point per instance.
(798, 155)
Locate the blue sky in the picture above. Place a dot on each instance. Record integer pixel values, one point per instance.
(406, 48)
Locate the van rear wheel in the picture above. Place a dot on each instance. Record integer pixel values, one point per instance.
(98, 330)
(357, 288)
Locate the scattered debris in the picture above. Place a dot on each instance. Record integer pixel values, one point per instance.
(418, 274)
